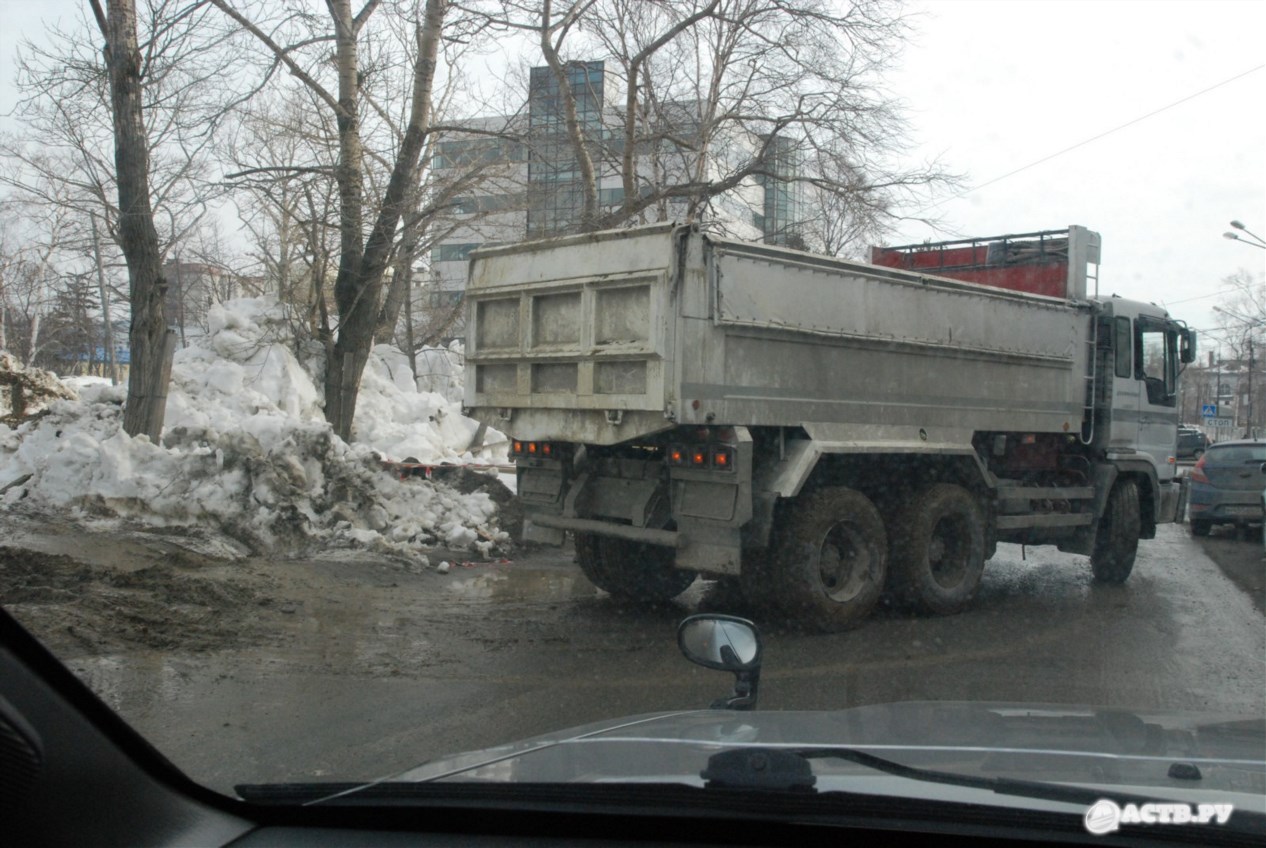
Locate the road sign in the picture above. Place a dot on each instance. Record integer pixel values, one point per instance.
(1221, 423)
(1209, 410)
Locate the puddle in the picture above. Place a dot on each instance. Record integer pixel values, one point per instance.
(507, 584)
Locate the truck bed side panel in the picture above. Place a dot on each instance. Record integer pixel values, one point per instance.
(794, 340)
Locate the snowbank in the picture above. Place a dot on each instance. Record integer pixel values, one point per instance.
(246, 451)
(26, 391)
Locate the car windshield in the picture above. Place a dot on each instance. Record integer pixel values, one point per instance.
(382, 384)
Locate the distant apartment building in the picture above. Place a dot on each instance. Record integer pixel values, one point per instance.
(534, 187)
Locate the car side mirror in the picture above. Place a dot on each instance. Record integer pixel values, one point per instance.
(1263, 468)
(725, 643)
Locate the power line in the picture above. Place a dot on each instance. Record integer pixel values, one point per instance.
(1101, 135)
(1168, 303)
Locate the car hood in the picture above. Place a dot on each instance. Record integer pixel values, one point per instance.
(1050, 743)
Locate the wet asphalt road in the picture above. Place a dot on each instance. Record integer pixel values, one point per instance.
(377, 670)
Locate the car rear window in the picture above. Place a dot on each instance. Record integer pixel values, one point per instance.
(1238, 453)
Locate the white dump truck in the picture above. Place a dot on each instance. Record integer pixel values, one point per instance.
(824, 430)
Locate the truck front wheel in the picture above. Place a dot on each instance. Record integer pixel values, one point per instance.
(938, 549)
(632, 571)
(832, 559)
(1117, 541)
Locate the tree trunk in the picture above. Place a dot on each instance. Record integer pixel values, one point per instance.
(147, 391)
(349, 287)
(409, 347)
(358, 290)
(402, 279)
(104, 293)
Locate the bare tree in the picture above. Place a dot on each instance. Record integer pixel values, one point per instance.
(64, 153)
(32, 277)
(146, 109)
(149, 339)
(772, 98)
(283, 159)
(1243, 335)
(363, 258)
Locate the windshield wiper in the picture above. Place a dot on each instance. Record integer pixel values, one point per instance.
(789, 769)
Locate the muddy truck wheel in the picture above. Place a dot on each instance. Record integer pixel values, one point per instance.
(1117, 541)
(632, 571)
(937, 550)
(831, 560)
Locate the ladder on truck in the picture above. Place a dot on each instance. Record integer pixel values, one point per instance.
(1092, 359)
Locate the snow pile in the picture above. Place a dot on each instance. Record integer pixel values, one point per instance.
(440, 370)
(246, 451)
(26, 391)
(389, 408)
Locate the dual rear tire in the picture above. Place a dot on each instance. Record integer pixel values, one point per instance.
(631, 571)
(937, 540)
(835, 556)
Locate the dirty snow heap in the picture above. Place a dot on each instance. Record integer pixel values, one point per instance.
(246, 453)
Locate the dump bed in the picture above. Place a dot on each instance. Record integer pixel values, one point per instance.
(1051, 262)
(605, 337)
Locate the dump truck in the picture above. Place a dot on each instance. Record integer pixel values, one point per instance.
(824, 431)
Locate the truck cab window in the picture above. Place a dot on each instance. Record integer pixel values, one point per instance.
(1155, 362)
(1121, 345)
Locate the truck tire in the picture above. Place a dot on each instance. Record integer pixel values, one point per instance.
(831, 560)
(937, 549)
(631, 571)
(1117, 540)
(1200, 527)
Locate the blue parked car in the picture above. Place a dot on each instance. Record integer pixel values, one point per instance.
(1226, 486)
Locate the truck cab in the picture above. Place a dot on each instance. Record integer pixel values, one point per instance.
(1140, 377)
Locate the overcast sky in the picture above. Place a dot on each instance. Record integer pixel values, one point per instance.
(995, 87)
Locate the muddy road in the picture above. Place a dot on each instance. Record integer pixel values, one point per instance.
(349, 666)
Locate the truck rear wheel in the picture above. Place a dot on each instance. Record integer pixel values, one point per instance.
(1117, 541)
(938, 549)
(633, 571)
(832, 559)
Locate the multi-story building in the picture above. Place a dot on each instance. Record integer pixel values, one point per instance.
(1233, 389)
(531, 184)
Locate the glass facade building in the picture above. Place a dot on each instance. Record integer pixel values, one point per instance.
(555, 189)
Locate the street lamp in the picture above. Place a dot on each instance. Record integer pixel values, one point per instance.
(1258, 243)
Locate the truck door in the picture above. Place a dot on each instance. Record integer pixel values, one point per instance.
(1156, 370)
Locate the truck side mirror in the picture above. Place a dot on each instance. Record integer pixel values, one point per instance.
(1187, 347)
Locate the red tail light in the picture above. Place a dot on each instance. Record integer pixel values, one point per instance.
(699, 457)
(722, 457)
(519, 448)
(1197, 474)
(676, 455)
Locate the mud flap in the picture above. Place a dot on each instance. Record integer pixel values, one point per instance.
(533, 532)
(709, 548)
